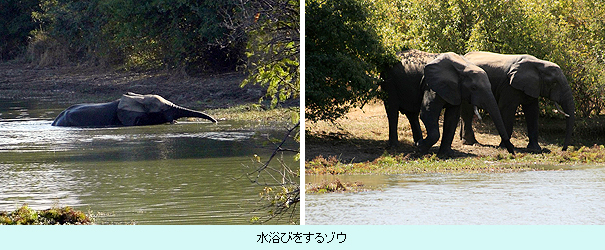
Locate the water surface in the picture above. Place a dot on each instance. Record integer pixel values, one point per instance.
(186, 173)
(565, 197)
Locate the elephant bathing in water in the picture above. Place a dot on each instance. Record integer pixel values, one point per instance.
(130, 110)
(520, 80)
(425, 83)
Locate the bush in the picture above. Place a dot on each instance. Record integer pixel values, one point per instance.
(273, 49)
(569, 33)
(130, 34)
(345, 41)
(53, 216)
(344, 56)
(15, 25)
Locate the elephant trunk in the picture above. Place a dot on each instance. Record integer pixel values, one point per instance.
(569, 107)
(492, 108)
(185, 112)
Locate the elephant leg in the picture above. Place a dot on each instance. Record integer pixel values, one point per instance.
(450, 122)
(429, 114)
(467, 135)
(392, 116)
(532, 113)
(507, 111)
(415, 124)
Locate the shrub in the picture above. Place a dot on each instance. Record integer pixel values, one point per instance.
(53, 216)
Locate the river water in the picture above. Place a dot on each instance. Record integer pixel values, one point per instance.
(185, 173)
(572, 196)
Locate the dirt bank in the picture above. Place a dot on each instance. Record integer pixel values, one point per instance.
(362, 136)
(72, 84)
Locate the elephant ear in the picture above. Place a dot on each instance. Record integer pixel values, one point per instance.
(134, 106)
(143, 103)
(524, 76)
(442, 75)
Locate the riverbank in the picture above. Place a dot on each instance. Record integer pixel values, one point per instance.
(357, 145)
(218, 95)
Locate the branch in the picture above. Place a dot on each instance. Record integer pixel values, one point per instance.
(277, 149)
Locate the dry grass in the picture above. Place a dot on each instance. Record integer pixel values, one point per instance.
(363, 136)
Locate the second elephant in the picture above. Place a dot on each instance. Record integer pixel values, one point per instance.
(426, 83)
(518, 80)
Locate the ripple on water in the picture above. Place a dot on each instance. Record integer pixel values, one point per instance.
(38, 185)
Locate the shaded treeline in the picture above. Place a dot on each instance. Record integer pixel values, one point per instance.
(191, 36)
(363, 36)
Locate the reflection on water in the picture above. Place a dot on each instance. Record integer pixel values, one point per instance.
(166, 174)
(535, 197)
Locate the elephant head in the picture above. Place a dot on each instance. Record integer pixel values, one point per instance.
(537, 77)
(135, 109)
(455, 80)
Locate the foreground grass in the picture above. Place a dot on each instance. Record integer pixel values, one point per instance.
(257, 113)
(412, 163)
(53, 216)
(334, 186)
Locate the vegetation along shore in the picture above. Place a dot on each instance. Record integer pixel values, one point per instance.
(352, 44)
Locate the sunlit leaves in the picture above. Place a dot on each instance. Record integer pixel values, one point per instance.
(273, 47)
(570, 33)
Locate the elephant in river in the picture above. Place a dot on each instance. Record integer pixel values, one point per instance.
(130, 110)
(425, 83)
(520, 80)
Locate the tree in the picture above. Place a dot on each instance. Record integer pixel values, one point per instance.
(281, 193)
(349, 42)
(344, 56)
(15, 25)
(272, 31)
(143, 35)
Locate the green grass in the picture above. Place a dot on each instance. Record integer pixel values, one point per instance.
(335, 186)
(53, 216)
(257, 113)
(411, 163)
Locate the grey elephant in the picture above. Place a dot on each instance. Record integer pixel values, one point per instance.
(449, 81)
(130, 110)
(425, 83)
(401, 83)
(520, 80)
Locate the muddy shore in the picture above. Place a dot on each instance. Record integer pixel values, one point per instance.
(73, 84)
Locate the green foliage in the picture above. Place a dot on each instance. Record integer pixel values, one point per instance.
(15, 25)
(53, 216)
(343, 57)
(273, 48)
(156, 34)
(193, 36)
(67, 31)
(173, 34)
(343, 37)
(569, 33)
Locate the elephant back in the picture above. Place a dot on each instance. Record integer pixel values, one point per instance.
(413, 60)
(402, 82)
